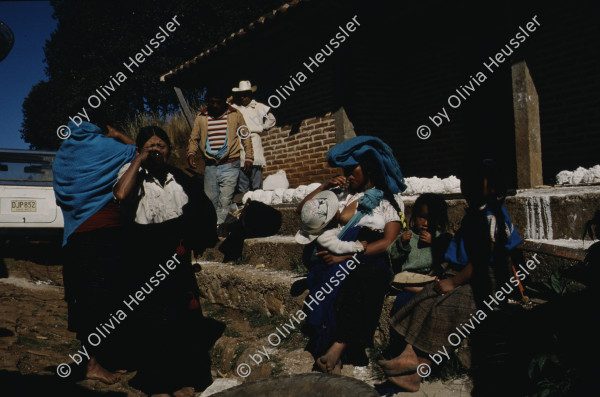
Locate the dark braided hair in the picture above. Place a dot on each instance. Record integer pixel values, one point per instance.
(372, 170)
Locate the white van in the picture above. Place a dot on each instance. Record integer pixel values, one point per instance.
(27, 203)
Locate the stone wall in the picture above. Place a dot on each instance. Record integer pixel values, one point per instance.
(301, 155)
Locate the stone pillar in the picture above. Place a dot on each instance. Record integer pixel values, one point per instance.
(527, 128)
(344, 129)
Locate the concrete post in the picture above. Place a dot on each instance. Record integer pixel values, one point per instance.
(527, 128)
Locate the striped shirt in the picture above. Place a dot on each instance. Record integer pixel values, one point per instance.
(217, 130)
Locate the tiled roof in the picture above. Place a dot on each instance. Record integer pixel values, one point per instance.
(233, 36)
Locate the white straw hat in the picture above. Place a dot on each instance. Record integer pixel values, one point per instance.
(316, 214)
(244, 85)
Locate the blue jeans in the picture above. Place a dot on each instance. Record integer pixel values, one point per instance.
(252, 182)
(219, 185)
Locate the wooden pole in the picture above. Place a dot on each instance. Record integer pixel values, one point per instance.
(186, 109)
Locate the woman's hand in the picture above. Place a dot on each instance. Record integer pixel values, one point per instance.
(335, 181)
(118, 135)
(405, 238)
(443, 286)
(331, 259)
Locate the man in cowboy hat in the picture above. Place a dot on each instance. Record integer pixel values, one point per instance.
(216, 133)
(258, 119)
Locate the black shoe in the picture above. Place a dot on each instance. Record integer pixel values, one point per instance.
(299, 287)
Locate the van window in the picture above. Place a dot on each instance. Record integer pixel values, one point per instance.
(26, 168)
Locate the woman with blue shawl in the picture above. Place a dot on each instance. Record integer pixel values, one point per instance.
(85, 169)
(343, 324)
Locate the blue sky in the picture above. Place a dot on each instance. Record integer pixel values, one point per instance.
(31, 23)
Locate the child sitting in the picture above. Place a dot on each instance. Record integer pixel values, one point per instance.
(421, 249)
(479, 260)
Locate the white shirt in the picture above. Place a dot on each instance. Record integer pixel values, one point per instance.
(254, 114)
(382, 214)
(157, 203)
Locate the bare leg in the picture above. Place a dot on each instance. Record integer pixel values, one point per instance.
(405, 363)
(98, 372)
(330, 362)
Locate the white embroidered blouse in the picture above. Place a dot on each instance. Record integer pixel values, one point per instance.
(157, 203)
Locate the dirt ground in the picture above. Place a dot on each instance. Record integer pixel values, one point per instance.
(34, 340)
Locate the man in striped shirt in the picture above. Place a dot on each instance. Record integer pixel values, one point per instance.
(219, 132)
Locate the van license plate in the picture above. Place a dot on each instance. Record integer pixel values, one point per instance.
(23, 206)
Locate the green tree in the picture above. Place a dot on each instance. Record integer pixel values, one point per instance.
(94, 38)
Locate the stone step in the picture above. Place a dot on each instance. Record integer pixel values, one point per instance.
(248, 288)
(275, 252)
(543, 213)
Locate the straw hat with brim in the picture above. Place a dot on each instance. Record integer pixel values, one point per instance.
(316, 214)
(410, 278)
(243, 86)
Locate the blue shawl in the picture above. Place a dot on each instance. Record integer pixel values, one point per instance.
(85, 170)
(350, 152)
(366, 204)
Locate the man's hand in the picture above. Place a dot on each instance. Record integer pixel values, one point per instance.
(406, 236)
(247, 166)
(443, 286)
(332, 259)
(425, 237)
(192, 160)
(364, 244)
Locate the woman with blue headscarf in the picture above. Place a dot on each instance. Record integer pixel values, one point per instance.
(344, 323)
(85, 169)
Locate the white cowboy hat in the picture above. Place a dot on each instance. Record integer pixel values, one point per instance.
(316, 214)
(244, 85)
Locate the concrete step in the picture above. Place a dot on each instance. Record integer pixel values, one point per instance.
(553, 255)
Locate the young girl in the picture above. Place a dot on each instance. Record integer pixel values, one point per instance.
(479, 257)
(421, 249)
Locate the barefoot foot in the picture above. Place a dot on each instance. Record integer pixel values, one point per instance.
(97, 372)
(405, 363)
(410, 383)
(331, 361)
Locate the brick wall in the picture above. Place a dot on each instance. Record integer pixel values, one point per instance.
(302, 155)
